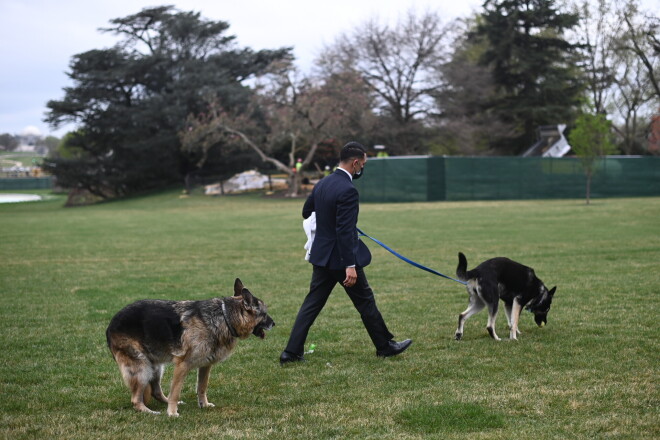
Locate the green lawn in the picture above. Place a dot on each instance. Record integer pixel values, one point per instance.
(9, 159)
(592, 372)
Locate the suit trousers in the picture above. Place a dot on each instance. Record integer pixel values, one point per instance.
(323, 281)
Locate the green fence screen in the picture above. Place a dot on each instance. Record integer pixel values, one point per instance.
(418, 179)
(26, 183)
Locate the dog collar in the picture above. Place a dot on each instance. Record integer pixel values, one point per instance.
(232, 331)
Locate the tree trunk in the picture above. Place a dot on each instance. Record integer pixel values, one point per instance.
(294, 185)
(588, 186)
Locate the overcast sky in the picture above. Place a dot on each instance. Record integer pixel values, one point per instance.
(39, 37)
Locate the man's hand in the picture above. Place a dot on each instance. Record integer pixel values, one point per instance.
(351, 277)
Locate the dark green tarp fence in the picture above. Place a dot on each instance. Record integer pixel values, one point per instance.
(419, 179)
(26, 183)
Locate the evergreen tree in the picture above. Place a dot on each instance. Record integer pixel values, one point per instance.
(131, 100)
(533, 66)
(466, 122)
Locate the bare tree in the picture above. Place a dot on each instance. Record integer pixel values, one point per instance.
(289, 116)
(596, 32)
(621, 62)
(636, 94)
(642, 41)
(631, 101)
(395, 62)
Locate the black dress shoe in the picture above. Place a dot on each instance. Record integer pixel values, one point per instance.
(287, 357)
(394, 348)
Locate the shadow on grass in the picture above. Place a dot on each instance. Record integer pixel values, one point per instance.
(450, 417)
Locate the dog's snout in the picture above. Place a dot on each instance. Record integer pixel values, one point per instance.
(269, 322)
(541, 320)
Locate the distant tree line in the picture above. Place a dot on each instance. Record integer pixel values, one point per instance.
(177, 98)
(43, 145)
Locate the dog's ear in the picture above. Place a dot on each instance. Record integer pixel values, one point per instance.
(238, 287)
(552, 291)
(248, 299)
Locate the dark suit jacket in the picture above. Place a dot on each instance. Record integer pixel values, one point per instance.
(336, 243)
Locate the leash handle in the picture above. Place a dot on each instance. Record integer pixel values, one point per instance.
(408, 260)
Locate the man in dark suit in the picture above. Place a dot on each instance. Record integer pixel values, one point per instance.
(339, 256)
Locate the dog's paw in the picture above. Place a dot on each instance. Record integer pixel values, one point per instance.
(206, 405)
(458, 336)
(143, 408)
(173, 414)
(491, 332)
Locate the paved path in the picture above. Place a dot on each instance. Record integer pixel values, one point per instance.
(14, 198)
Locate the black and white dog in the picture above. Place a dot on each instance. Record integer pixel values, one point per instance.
(513, 283)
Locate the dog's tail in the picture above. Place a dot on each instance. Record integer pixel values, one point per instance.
(461, 270)
(107, 339)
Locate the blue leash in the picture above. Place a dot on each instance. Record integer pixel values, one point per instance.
(408, 260)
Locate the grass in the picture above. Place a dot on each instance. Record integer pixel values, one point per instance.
(453, 416)
(592, 372)
(9, 159)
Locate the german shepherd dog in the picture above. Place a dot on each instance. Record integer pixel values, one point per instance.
(147, 334)
(516, 285)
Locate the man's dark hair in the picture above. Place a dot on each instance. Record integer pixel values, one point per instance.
(352, 150)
